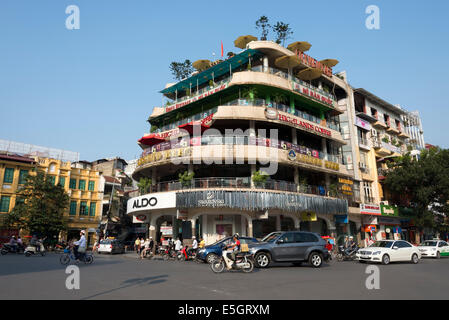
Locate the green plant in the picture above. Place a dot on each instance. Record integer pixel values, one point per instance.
(263, 24)
(333, 190)
(153, 128)
(393, 141)
(181, 70)
(211, 83)
(386, 140)
(186, 178)
(282, 31)
(259, 178)
(250, 93)
(144, 185)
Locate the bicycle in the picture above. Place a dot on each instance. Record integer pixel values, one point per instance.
(68, 256)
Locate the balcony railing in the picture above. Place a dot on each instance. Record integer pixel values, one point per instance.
(240, 183)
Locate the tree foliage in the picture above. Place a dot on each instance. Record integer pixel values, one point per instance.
(282, 31)
(181, 70)
(144, 185)
(42, 211)
(263, 25)
(422, 185)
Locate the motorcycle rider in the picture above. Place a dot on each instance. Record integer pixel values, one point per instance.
(20, 245)
(13, 243)
(194, 245)
(230, 251)
(79, 245)
(35, 243)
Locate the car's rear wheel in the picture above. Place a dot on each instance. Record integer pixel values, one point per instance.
(415, 258)
(263, 259)
(316, 259)
(211, 257)
(385, 259)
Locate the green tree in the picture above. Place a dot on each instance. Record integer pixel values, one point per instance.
(422, 185)
(181, 70)
(263, 25)
(144, 185)
(186, 178)
(42, 212)
(259, 178)
(282, 31)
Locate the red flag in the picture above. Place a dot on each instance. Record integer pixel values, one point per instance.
(222, 48)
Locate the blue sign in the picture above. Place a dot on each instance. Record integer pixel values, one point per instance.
(341, 218)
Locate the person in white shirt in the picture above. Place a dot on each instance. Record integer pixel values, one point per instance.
(178, 245)
(79, 245)
(194, 245)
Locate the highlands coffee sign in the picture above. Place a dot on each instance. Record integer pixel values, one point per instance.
(151, 202)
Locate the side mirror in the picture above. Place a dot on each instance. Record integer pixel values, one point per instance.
(395, 248)
(280, 241)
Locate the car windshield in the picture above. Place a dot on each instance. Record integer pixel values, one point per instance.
(428, 244)
(271, 237)
(105, 242)
(382, 244)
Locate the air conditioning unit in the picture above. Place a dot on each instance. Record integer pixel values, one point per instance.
(373, 132)
(349, 166)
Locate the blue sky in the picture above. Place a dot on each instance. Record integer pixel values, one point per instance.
(91, 90)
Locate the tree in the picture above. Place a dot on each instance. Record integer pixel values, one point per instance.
(422, 185)
(263, 24)
(282, 31)
(42, 211)
(144, 185)
(186, 178)
(181, 70)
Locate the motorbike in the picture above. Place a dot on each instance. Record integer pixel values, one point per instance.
(186, 254)
(347, 254)
(243, 261)
(31, 250)
(169, 253)
(7, 248)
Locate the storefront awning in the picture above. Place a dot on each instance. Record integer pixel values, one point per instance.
(190, 126)
(151, 140)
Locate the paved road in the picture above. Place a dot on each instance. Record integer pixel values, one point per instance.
(125, 277)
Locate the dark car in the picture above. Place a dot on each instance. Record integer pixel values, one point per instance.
(290, 246)
(213, 251)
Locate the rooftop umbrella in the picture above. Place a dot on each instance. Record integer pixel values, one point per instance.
(329, 62)
(201, 65)
(151, 140)
(309, 74)
(299, 45)
(288, 62)
(242, 41)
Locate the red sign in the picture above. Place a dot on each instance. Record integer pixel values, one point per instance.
(201, 96)
(313, 63)
(305, 125)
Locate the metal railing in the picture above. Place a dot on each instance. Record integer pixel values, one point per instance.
(240, 183)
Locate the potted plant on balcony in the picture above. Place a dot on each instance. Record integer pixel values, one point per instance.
(211, 84)
(259, 178)
(303, 185)
(333, 190)
(144, 185)
(186, 178)
(386, 140)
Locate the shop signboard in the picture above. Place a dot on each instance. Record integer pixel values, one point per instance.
(371, 209)
(196, 98)
(346, 186)
(167, 231)
(308, 216)
(151, 202)
(389, 221)
(390, 211)
(362, 123)
(341, 219)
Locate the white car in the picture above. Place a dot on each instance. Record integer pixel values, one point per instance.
(111, 246)
(386, 251)
(434, 248)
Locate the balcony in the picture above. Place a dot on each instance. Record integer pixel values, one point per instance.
(364, 143)
(392, 129)
(241, 183)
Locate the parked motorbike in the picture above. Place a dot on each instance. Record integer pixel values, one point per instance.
(347, 254)
(243, 261)
(186, 254)
(31, 250)
(7, 248)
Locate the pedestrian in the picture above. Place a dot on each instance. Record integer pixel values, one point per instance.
(178, 245)
(137, 245)
(202, 243)
(194, 245)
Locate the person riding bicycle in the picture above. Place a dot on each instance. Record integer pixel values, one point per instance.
(230, 251)
(79, 246)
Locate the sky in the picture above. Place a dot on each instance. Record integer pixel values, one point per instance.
(91, 90)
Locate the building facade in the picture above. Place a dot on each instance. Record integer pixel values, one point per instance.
(227, 124)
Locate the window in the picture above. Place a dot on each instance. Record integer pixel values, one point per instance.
(4, 204)
(288, 238)
(84, 210)
(62, 181)
(82, 185)
(52, 179)
(52, 168)
(23, 176)
(91, 185)
(73, 208)
(9, 175)
(93, 206)
(72, 184)
(402, 244)
(305, 237)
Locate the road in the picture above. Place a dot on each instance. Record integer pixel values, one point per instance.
(126, 277)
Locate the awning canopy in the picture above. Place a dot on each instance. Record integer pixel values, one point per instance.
(214, 71)
(151, 140)
(189, 126)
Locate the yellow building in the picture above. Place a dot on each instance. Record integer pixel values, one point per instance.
(83, 185)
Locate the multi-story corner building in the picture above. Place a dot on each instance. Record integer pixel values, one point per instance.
(382, 132)
(80, 181)
(230, 121)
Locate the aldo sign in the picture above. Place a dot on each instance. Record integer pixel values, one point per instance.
(152, 201)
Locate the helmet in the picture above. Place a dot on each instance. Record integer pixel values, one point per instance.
(193, 237)
(83, 232)
(236, 236)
